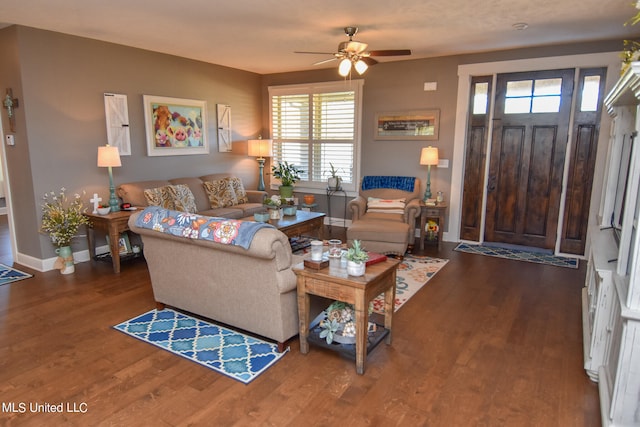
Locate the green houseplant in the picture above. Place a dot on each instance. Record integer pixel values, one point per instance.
(334, 179)
(631, 49)
(288, 174)
(356, 259)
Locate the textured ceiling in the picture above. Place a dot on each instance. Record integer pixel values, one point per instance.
(262, 35)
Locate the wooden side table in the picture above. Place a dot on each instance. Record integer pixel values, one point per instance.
(429, 211)
(113, 224)
(334, 283)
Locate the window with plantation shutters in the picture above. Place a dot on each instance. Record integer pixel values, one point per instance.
(315, 127)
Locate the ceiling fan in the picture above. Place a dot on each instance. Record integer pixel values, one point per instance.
(354, 54)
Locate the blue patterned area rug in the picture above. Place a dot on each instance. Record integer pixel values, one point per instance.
(226, 351)
(10, 275)
(519, 255)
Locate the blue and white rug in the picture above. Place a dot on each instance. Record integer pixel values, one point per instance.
(519, 255)
(226, 351)
(9, 275)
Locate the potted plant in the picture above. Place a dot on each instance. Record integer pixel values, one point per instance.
(61, 220)
(288, 174)
(334, 179)
(356, 259)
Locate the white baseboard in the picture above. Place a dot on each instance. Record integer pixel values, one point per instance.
(43, 265)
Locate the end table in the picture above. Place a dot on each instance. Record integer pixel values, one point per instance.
(113, 224)
(431, 211)
(335, 283)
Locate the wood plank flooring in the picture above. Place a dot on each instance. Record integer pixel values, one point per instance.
(488, 342)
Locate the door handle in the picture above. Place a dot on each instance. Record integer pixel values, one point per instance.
(491, 186)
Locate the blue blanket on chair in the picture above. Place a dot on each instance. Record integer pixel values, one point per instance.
(404, 183)
(221, 230)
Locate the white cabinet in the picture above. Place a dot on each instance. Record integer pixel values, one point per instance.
(611, 298)
(598, 296)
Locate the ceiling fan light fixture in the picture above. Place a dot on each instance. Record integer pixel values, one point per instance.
(345, 67)
(360, 66)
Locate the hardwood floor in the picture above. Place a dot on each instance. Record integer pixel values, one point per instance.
(487, 342)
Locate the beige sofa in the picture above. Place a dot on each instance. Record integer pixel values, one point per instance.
(252, 289)
(133, 193)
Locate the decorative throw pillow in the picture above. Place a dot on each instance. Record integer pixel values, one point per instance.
(238, 189)
(182, 198)
(159, 197)
(220, 193)
(392, 206)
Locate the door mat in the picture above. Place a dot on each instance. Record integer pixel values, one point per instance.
(518, 255)
(10, 275)
(236, 355)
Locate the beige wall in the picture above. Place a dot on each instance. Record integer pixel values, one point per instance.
(60, 81)
(398, 86)
(62, 120)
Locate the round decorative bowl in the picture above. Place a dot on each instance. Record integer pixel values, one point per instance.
(261, 216)
(104, 211)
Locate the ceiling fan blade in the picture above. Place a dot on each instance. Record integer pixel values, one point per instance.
(390, 52)
(368, 61)
(316, 53)
(325, 61)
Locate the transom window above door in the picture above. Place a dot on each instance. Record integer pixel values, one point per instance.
(533, 96)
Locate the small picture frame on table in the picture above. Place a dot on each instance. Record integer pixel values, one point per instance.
(124, 245)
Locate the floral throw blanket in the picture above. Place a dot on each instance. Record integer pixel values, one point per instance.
(221, 230)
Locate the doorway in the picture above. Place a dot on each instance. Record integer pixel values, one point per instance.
(530, 131)
(520, 200)
(8, 246)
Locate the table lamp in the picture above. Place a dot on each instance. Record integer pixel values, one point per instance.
(108, 157)
(429, 157)
(260, 148)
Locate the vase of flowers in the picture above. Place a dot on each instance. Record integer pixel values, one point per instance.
(274, 205)
(288, 174)
(61, 220)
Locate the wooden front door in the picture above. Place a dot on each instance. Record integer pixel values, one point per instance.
(530, 131)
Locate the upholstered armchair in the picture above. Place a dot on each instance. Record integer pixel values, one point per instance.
(384, 213)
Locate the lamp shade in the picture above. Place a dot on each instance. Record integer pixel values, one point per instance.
(108, 156)
(429, 156)
(260, 148)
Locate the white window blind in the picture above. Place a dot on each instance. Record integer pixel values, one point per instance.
(317, 126)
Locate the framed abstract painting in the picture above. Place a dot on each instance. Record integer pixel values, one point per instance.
(175, 126)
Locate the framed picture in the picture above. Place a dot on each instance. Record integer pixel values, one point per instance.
(124, 245)
(175, 126)
(117, 118)
(407, 125)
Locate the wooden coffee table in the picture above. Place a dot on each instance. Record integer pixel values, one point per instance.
(302, 222)
(333, 282)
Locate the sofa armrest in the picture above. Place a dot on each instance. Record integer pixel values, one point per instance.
(358, 207)
(256, 196)
(412, 211)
